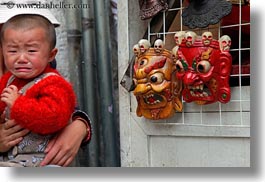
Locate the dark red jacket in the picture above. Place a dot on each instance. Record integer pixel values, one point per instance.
(47, 105)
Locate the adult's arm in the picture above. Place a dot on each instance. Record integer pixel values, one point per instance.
(62, 149)
(10, 135)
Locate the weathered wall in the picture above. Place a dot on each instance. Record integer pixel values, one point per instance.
(62, 56)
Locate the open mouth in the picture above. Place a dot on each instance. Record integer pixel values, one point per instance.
(153, 99)
(199, 91)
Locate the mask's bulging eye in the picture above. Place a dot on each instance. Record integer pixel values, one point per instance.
(142, 62)
(179, 66)
(153, 79)
(203, 66)
(157, 78)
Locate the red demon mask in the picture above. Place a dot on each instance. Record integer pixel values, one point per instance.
(203, 65)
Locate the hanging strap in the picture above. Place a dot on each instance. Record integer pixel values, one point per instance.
(23, 90)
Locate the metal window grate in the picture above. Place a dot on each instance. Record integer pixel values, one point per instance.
(237, 111)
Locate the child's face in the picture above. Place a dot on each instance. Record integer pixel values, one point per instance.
(26, 53)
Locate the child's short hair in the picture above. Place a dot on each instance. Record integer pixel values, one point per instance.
(29, 21)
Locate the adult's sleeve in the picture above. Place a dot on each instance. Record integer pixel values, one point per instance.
(82, 116)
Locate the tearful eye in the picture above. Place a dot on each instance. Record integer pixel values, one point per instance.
(203, 66)
(157, 78)
(12, 51)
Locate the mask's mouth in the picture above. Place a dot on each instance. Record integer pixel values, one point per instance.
(153, 99)
(199, 91)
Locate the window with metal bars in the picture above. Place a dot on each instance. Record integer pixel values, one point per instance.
(237, 26)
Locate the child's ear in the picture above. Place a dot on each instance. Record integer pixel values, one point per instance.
(53, 54)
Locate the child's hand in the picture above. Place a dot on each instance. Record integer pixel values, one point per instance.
(9, 95)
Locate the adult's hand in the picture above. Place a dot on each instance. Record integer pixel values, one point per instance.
(62, 149)
(10, 134)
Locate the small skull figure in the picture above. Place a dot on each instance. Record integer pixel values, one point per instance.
(225, 43)
(136, 50)
(159, 46)
(190, 38)
(144, 45)
(179, 36)
(207, 38)
(175, 52)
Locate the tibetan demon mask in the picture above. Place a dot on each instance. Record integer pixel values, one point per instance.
(203, 64)
(157, 89)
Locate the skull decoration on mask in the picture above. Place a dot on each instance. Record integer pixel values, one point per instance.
(136, 49)
(190, 38)
(204, 70)
(159, 46)
(144, 45)
(157, 90)
(207, 38)
(179, 36)
(225, 43)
